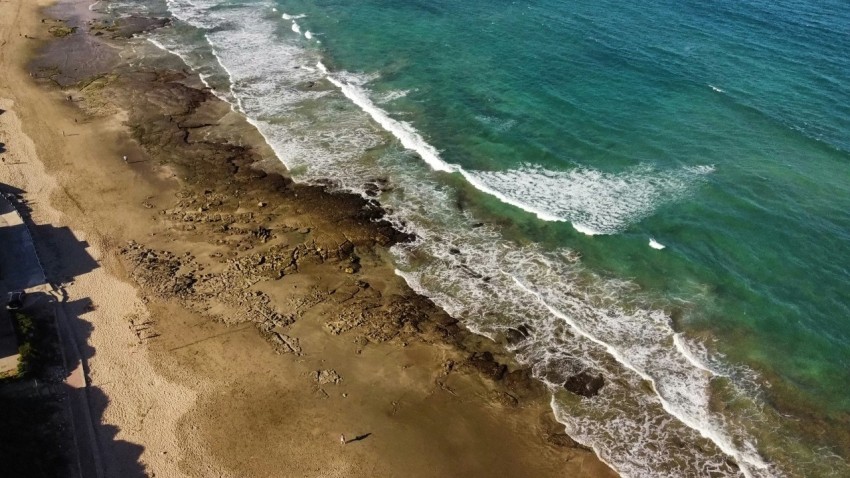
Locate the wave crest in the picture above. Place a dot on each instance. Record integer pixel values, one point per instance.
(593, 201)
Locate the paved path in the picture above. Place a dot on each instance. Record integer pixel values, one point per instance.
(19, 269)
(19, 266)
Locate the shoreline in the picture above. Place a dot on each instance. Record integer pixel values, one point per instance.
(216, 244)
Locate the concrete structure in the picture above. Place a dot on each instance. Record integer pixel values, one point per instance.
(19, 270)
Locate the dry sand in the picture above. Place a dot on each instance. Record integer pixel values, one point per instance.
(138, 408)
(238, 324)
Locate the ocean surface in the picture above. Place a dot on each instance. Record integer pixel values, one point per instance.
(654, 191)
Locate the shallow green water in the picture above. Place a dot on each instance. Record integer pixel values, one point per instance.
(717, 130)
(613, 87)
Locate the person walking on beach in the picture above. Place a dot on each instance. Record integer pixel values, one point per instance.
(125, 159)
(342, 439)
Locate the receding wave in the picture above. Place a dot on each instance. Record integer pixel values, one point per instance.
(652, 417)
(593, 201)
(390, 96)
(647, 352)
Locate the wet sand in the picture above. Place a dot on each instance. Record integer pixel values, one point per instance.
(238, 324)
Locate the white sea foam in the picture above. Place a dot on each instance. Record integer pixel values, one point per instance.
(308, 35)
(498, 124)
(180, 55)
(287, 16)
(682, 400)
(682, 346)
(404, 132)
(639, 340)
(197, 13)
(718, 90)
(655, 244)
(296, 28)
(390, 96)
(593, 201)
(555, 355)
(577, 322)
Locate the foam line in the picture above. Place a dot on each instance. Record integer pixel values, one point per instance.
(230, 78)
(185, 61)
(250, 84)
(553, 404)
(593, 202)
(412, 140)
(404, 132)
(686, 352)
(720, 441)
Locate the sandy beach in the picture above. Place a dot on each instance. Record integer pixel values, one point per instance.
(235, 323)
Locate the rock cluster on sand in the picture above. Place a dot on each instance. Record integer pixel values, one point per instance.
(324, 377)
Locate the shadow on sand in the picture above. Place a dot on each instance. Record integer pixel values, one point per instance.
(64, 258)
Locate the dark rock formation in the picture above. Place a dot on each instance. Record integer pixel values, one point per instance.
(584, 384)
(516, 335)
(487, 365)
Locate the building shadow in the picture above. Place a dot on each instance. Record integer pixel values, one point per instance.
(61, 254)
(9, 190)
(115, 456)
(65, 425)
(63, 257)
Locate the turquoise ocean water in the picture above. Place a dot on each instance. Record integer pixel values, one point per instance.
(658, 191)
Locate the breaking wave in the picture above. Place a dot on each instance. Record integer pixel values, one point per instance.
(653, 415)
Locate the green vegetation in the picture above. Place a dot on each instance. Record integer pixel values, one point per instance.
(32, 340)
(32, 438)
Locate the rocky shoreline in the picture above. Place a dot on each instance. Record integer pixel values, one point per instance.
(224, 239)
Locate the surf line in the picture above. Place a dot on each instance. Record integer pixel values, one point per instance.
(718, 438)
(234, 101)
(412, 140)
